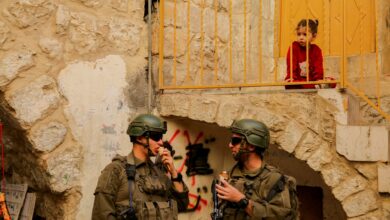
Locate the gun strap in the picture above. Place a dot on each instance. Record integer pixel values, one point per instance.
(276, 188)
(130, 173)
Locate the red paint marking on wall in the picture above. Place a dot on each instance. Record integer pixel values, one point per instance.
(193, 181)
(174, 136)
(182, 165)
(204, 201)
(200, 135)
(187, 136)
(197, 208)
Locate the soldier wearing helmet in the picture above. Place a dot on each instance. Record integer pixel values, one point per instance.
(133, 187)
(254, 190)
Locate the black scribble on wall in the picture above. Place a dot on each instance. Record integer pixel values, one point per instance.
(196, 162)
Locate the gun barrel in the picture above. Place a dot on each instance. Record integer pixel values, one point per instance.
(216, 214)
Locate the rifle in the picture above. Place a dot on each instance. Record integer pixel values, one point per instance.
(217, 213)
(128, 214)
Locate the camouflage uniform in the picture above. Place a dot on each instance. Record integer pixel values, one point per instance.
(256, 186)
(154, 195)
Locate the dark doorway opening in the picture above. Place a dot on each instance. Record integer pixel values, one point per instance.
(310, 202)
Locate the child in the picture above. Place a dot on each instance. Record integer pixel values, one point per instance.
(299, 63)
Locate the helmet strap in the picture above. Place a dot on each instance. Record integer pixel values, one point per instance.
(145, 145)
(150, 153)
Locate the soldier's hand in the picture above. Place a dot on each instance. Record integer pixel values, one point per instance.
(167, 160)
(228, 192)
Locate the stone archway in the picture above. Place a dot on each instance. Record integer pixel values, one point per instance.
(303, 125)
(59, 136)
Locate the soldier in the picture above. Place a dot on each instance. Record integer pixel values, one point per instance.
(255, 190)
(132, 187)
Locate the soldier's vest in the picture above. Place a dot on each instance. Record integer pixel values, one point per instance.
(259, 191)
(150, 194)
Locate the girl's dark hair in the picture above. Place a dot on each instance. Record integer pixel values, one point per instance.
(313, 25)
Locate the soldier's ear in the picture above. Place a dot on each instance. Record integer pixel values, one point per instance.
(139, 138)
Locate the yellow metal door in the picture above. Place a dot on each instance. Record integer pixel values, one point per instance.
(359, 24)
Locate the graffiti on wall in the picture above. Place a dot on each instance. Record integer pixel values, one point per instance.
(195, 162)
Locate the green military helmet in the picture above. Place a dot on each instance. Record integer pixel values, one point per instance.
(146, 123)
(256, 133)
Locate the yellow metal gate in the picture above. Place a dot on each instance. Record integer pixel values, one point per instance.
(359, 24)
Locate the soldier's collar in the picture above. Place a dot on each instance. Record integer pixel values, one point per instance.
(237, 171)
(131, 159)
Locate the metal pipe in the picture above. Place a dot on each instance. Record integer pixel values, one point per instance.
(161, 45)
(149, 56)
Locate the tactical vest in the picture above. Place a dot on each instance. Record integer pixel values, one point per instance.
(260, 189)
(150, 194)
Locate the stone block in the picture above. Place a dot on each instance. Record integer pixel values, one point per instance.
(181, 14)
(24, 13)
(62, 19)
(274, 122)
(227, 112)
(14, 63)
(51, 46)
(120, 5)
(335, 172)
(249, 112)
(363, 143)
(203, 109)
(369, 170)
(83, 33)
(350, 186)
(292, 135)
(177, 105)
(320, 157)
(124, 35)
(49, 136)
(310, 142)
(4, 33)
(35, 100)
(360, 203)
(384, 178)
(64, 169)
(136, 8)
(375, 215)
(180, 44)
(336, 99)
(93, 3)
(386, 208)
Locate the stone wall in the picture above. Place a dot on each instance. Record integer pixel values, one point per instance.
(196, 62)
(72, 73)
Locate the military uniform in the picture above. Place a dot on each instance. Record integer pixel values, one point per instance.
(256, 187)
(153, 194)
